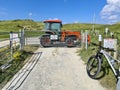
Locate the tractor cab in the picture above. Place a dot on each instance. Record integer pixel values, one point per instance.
(53, 26)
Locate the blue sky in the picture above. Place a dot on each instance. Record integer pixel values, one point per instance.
(68, 11)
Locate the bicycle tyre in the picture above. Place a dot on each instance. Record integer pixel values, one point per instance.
(93, 66)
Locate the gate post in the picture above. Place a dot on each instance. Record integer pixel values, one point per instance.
(22, 39)
(11, 44)
(86, 39)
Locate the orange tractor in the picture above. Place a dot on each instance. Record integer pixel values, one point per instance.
(55, 36)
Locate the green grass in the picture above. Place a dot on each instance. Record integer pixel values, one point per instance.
(33, 33)
(17, 64)
(13, 25)
(80, 26)
(108, 80)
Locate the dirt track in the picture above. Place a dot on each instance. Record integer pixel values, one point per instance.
(4, 43)
(59, 69)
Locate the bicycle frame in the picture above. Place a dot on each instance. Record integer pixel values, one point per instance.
(109, 58)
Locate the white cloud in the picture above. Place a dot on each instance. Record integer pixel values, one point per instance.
(30, 14)
(76, 21)
(111, 11)
(56, 19)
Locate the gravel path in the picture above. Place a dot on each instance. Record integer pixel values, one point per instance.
(59, 69)
(4, 43)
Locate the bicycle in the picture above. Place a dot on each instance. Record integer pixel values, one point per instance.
(94, 64)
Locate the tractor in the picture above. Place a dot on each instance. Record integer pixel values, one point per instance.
(55, 36)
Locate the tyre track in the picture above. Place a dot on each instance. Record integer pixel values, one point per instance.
(20, 77)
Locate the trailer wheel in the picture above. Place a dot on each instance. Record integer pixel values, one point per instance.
(45, 41)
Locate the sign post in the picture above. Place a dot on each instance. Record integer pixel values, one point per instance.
(111, 44)
(100, 40)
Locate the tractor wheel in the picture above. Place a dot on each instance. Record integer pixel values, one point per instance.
(70, 42)
(45, 41)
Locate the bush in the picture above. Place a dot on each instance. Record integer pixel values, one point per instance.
(20, 56)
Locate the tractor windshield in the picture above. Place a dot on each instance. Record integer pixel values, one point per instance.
(53, 26)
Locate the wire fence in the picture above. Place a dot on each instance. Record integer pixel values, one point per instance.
(10, 44)
(8, 47)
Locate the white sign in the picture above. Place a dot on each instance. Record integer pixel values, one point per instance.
(14, 37)
(110, 43)
(53, 37)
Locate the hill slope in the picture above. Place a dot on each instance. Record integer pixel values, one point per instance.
(12, 25)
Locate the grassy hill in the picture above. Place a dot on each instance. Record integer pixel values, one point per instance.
(81, 26)
(15, 25)
(12, 25)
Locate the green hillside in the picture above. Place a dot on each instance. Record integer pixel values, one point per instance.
(81, 26)
(12, 25)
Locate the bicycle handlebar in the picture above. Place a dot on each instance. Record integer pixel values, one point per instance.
(108, 49)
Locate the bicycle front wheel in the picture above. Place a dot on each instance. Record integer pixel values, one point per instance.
(93, 66)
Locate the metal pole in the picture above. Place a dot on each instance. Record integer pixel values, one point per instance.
(115, 48)
(21, 39)
(11, 44)
(86, 39)
(20, 31)
(82, 38)
(118, 84)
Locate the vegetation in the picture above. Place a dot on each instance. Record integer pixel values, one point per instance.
(16, 65)
(80, 26)
(13, 25)
(108, 80)
(6, 26)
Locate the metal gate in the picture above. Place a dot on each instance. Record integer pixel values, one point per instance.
(32, 37)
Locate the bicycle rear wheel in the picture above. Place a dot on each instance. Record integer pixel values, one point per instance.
(93, 66)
